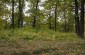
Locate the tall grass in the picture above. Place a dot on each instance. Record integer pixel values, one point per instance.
(34, 34)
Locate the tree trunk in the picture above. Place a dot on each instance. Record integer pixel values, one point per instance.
(6, 23)
(65, 17)
(22, 13)
(82, 20)
(34, 21)
(50, 20)
(77, 28)
(20, 20)
(55, 15)
(12, 19)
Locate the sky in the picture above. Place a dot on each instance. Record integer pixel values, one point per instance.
(42, 0)
(26, 7)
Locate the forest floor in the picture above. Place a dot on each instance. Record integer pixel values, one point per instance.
(31, 42)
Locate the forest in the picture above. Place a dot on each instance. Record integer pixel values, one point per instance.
(42, 27)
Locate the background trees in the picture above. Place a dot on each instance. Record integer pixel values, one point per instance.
(58, 15)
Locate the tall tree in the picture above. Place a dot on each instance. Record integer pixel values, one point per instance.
(82, 20)
(36, 8)
(20, 20)
(48, 7)
(55, 15)
(12, 19)
(50, 20)
(65, 28)
(77, 29)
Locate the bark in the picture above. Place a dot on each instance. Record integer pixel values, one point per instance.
(20, 20)
(34, 21)
(50, 20)
(82, 20)
(22, 13)
(12, 19)
(65, 29)
(77, 28)
(55, 16)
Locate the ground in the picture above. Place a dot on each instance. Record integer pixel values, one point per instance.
(35, 42)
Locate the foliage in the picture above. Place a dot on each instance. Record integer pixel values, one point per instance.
(33, 34)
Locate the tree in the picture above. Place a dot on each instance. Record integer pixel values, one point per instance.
(49, 13)
(55, 15)
(12, 19)
(82, 20)
(77, 28)
(50, 16)
(20, 20)
(36, 8)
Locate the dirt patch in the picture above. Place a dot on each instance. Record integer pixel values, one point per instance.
(40, 47)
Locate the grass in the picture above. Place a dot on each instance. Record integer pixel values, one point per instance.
(32, 34)
(29, 41)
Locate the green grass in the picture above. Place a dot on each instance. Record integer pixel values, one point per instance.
(29, 41)
(33, 34)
